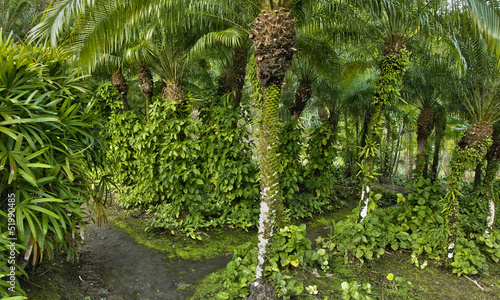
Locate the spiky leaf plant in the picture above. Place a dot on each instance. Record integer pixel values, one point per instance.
(47, 142)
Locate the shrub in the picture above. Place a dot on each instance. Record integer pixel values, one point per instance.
(48, 150)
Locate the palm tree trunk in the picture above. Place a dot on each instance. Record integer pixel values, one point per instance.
(397, 153)
(425, 124)
(273, 34)
(147, 86)
(392, 67)
(477, 176)
(233, 79)
(119, 82)
(473, 145)
(302, 96)
(350, 169)
(172, 91)
(493, 160)
(439, 130)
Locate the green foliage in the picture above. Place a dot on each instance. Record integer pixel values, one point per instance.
(48, 150)
(307, 189)
(228, 164)
(289, 250)
(416, 224)
(491, 244)
(413, 225)
(290, 149)
(188, 174)
(320, 170)
(351, 290)
(392, 68)
(467, 258)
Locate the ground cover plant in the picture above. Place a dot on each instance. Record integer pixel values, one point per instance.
(256, 116)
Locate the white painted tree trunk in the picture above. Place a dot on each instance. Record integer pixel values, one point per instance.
(265, 234)
(365, 199)
(491, 217)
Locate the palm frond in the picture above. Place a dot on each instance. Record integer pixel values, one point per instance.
(487, 18)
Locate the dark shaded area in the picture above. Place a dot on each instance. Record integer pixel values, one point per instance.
(113, 266)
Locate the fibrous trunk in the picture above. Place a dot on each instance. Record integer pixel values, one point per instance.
(302, 96)
(172, 91)
(273, 34)
(439, 129)
(425, 123)
(270, 197)
(473, 146)
(233, 79)
(119, 82)
(389, 83)
(146, 85)
(493, 159)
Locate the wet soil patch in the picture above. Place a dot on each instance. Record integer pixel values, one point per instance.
(113, 266)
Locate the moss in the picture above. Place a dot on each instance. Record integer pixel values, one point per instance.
(213, 243)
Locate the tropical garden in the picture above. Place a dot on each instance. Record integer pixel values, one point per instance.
(255, 116)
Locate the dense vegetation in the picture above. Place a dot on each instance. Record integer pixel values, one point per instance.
(254, 114)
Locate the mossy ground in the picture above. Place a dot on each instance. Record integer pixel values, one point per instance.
(58, 279)
(214, 242)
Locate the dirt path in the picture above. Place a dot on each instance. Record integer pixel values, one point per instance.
(113, 266)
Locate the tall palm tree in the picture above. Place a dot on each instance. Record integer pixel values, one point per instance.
(274, 40)
(477, 90)
(423, 89)
(393, 23)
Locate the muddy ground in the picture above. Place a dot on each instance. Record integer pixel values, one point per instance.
(113, 266)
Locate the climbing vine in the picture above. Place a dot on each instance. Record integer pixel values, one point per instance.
(388, 89)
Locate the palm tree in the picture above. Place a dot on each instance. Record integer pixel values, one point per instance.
(423, 84)
(393, 23)
(273, 34)
(477, 90)
(12, 12)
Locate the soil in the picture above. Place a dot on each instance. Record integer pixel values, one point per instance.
(113, 266)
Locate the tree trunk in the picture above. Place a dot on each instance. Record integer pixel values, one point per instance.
(147, 86)
(395, 163)
(425, 124)
(473, 145)
(493, 164)
(350, 168)
(440, 127)
(172, 91)
(302, 96)
(119, 82)
(477, 176)
(273, 34)
(233, 79)
(389, 83)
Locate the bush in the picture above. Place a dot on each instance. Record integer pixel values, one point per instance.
(189, 174)
(48, 150)
(290, 250)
